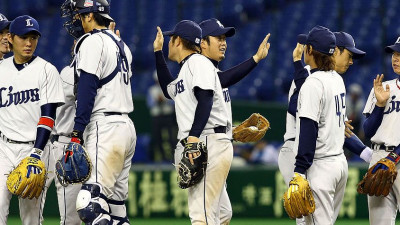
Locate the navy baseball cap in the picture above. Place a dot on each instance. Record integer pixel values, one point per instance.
(345, 40)
(212, 27)
(393, 48)
(320, 38)
(23, 25)
(4, 23)
(186, 29)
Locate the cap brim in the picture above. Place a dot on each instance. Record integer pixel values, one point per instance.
(5, 25)
(228, 31)
(29, 31)
(357, 53)
(107, 16)
(302, 39)
(168, 33)
(392, 48)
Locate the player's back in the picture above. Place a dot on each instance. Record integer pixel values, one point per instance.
(100, 55)
(328, 109)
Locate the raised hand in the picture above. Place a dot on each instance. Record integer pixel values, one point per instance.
(263, 49)
(381, 94)
(159, 41)
(298, 52)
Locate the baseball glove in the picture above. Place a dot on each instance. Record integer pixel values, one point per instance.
(298, 200)
(379, 178)
(190, 174)
(252, 129)
(74, 166)
(28, 179)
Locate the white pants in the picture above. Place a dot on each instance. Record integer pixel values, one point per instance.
(30, 210)
(206, 198)
(328, 178)
(66, 195)
(383, 210)
(110, 142)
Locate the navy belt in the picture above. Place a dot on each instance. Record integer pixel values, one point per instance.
(375, 146)
(112, 113)
(217, 130)
(291, 139)
(2, 136)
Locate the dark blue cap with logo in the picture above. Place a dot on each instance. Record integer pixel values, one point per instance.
(186, 29)
(345, 40)
(4, 23)
(23, 25)
(320, 38)
(394, 48)
(212, 27)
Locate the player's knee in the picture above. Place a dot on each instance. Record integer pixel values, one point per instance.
(92, 206)
(118, 212)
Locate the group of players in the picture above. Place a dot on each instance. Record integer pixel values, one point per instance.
(89, 101)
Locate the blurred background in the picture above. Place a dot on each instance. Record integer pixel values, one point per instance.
(372, 23)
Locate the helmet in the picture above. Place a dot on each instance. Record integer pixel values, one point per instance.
(70, 8)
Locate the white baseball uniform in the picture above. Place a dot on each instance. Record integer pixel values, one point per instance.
(204, 197)
(22, 93)
(110, 137)
(60, 138)
(322, 99)
(383, 210)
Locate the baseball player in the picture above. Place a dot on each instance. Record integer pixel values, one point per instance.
(381, 127)
(320, 122)
(213, 46)
(4, 46)
(201, 117)
(30, 91)
(104, 99)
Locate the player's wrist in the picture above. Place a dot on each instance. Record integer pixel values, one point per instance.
(77, 136)
(36, 153)
(366, 154)
(381, 104)
(393, 157)
(256, 58)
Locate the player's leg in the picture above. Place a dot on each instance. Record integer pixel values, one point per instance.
(66, 195)
(225, 212)
(31, 211)
(6, 166)
(340, 189)
(109, 141)
(203, 198)
(383, 210)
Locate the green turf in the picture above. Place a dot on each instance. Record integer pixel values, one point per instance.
(51, 221)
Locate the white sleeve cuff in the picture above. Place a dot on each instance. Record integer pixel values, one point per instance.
(366, 154)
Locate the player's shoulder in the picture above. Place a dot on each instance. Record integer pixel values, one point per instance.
(6, 62)
(200, 60)
(46, 64)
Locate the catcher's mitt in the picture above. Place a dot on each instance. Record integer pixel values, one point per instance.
(252, 129)
(298, 200)
(188, 174)
(379, 178)
(74, 166)
(28, 179)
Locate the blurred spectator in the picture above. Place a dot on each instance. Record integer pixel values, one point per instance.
(355, 105)
(264, 153)
(164, 128)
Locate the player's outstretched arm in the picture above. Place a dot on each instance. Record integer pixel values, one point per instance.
(235, 74)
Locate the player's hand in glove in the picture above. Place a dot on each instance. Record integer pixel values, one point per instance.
(252, 129)
(74, 166)
(379, 179)
(193, 164)
(298, 200)
(28, 179)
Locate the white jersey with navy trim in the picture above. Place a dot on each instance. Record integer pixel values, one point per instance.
(64, 123)
(98, 55)
(322, 99)
(290, 119)
(387, 132)
(197, 71)
(22, 93)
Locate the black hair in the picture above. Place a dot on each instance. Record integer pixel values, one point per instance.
(100, 20)
(187, 44)
(324, 62)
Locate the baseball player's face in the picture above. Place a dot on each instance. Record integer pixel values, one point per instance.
(216, 48)
(396, 62)
(4, 46)
(24, 46)
(343, 60)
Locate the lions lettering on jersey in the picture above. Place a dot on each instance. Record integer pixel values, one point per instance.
(394, 105)
(19, 97)
(179, 88)
(340, 106)
(227, 97)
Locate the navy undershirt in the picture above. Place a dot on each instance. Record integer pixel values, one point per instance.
(87, 91)
(203, 110)
(307, 144)
(354, 144)
(373, 121)
(23, 65)
(42, 134)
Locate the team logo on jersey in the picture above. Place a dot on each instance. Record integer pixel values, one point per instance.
(179, 88)
(29, 23)
(220, 24)
(227, 97)
(19, 97)
(394, 106)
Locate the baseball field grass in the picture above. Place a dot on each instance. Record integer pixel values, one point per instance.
(55, 221)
